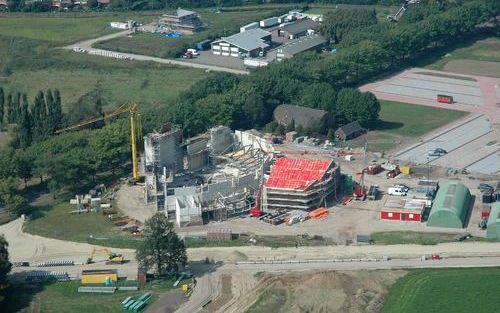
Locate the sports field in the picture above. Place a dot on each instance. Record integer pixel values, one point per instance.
(460, 290)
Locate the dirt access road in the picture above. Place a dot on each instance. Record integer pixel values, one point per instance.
(87, 46)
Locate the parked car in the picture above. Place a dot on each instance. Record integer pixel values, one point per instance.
(437, 152)
(436, 257)
(483, 187)
(402, 186)
(396, 191)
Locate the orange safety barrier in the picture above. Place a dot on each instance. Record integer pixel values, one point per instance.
(318, 213)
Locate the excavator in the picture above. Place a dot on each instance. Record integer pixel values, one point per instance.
(135, 129)
(113, 258)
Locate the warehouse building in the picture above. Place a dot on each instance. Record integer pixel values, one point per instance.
(307, 43)
(287, 114)
(249, 43)
(297, 29)
(182, 21)
(399, 209)
(300, 184)
(450, 207)
(493, 229)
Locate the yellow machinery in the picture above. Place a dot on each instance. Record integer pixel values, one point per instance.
(113, 258)
(135, 129)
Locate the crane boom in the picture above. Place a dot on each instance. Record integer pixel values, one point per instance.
(135, 129)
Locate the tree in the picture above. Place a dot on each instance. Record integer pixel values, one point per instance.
(354, 105)
(12, 197)
(340, 22)
(2, 101)
(24, 134)
(5, 265)
(162, 249)
(10, 109)
(24, 166)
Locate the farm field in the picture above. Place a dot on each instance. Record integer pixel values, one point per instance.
(461, 290)
(479, 58)
(62, 28)
(63, 297)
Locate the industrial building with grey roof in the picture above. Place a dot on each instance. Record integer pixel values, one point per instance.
(306, 43)
(249, 42)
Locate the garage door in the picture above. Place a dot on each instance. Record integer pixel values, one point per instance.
(216, 52)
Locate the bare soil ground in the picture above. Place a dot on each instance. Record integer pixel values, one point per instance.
(316, 292)
(130, 200)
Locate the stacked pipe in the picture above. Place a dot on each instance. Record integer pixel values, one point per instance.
(56, 263)
(38, 276)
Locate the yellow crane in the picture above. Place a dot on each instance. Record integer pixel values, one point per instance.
(135, 129)
(113, 258)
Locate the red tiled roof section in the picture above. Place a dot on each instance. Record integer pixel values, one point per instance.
(297, 174)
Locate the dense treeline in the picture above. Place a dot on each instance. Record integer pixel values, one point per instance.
(46, 5)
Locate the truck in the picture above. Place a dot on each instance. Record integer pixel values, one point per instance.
(445, 99)
(373, 169)
(268, 22)
(253, 25)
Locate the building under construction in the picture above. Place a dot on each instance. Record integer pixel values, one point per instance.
(209, 177)
(300, 184)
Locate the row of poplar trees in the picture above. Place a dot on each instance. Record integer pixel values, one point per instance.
(34, 122)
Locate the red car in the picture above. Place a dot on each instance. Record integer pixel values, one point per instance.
(436, 257)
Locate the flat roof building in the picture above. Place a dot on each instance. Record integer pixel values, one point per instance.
(450, 207)
(396, 208)
(248, 43)
(302, 44)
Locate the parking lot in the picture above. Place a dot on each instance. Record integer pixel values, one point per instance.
(428, 87)
(471, 144)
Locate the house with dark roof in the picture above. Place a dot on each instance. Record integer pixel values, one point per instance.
(287, 114)
(349, 131)
(248, 43)
(297, 29)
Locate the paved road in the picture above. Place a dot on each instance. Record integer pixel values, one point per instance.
(87, 45)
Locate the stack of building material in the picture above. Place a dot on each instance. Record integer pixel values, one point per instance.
(296, 217)
(219, 234)
(319, 213)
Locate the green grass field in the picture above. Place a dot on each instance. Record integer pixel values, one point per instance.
(63, 297)
(481, 50)
(409, 237)
(149, 87)
(61, 28)
(56, 222)
(412, 120)
(445, 290)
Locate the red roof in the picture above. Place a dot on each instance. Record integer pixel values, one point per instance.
(296, 173)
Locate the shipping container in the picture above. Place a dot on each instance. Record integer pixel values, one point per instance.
(386, 215)
(488, 196)
(253, 25)
(268, 22)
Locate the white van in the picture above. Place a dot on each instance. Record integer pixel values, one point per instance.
(396, 191)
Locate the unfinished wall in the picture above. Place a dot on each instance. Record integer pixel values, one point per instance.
(221, 138)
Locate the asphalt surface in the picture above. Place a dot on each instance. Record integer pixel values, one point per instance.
(472, 144)
(87, 45)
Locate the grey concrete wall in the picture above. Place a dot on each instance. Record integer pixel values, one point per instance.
(197, 161)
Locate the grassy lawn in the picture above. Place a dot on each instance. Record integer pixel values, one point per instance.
(445, 290)
(63, 297)
(56, 222)
(152, 88)
(481, 50)
(401, 118)
(269, 301)
(66, 27)
(409, 237)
